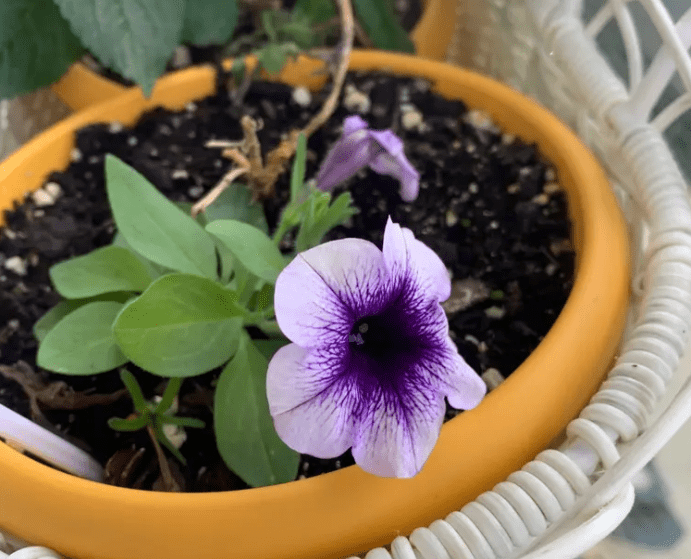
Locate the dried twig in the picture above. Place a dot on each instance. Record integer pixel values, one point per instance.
(246, 154)
(57, 395)
(168, 480)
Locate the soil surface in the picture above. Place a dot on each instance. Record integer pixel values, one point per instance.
(489, 206)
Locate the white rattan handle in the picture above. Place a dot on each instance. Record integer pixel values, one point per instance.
(21, 433)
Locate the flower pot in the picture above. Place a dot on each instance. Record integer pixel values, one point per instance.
(346, 511)
(81, 87)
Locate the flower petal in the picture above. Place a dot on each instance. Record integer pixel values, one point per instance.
(352, 152)
(321, 293)
(413, 263)
(391, 160)
(396, 432)
(465, 389)
(310, 400)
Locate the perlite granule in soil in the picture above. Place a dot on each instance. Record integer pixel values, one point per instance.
(489, 206)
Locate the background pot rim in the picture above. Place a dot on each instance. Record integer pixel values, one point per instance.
(314, 517)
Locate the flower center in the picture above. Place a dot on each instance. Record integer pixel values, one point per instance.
(375, 336)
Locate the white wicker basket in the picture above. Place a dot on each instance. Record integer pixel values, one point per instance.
(567, 500)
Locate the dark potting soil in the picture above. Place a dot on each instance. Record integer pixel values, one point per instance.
(488, 206)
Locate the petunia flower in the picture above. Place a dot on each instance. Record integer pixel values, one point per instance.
(360, 147)
(371, 360)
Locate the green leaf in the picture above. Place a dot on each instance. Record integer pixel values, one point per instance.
(154, 226)
(245, 434)
(36, 46)
(272, 58)
(297, 175)
(381, 25)
(209, 22)
(119, 424)
(318, 11)
(154, 270)
(46, 323)
(133, 37)
(82, 343)
(130, 382)
(325, 218)
(251, 247)
(268, 348)
(236, 203)
(192, 422)
(169, 394)
(104, 270)
(181, 326)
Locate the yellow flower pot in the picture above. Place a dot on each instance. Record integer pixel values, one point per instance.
(81, 87)
(347, 511)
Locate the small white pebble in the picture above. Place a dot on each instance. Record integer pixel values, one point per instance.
(191, 107)
(176, 434)
(482, 347)
(115, 127)
(195, 191)
(507, 139)
(407, 107)
(513, 188)
(495, 312)
(473, 188)
(42, 198)
(551, 269)
(302, 96)
(472, 339)
(492, 378)
(75, 155)
(550, 175)
(94, 159)
(411, 120)
(39, 213)
(13, 324)
(33, 259)
(17, 265)
(479, 119)
(541, 199)
(132, 141)
(494, 225)
(179, 174)
(153, 152)
(456, 144)
(355, 100)
(451, 218)
(551, 188)
(53, 189)
(9, 233)
(470, 148)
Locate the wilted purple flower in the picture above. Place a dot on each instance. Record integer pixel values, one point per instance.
(371, 359)
(360, 147)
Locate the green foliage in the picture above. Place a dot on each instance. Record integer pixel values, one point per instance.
(253, 248)
(154, 226)
(381, 26)
(82, 343)
(209, 22)
(245, 435)
(46, 323)
(154, 297)
(104, 270)
(133, 37)
(154, 414)
(181, 326)
(36, 46)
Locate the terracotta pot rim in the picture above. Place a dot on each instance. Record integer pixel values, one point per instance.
(602, 275)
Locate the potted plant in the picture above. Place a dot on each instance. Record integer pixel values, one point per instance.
(349, 510)
(73, 26)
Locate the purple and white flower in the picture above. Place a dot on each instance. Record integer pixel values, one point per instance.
(360, 147)
(371, 360)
